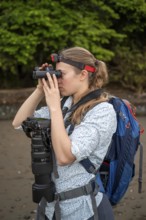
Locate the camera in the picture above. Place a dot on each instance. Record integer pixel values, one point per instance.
(37, 73)
(38, 130)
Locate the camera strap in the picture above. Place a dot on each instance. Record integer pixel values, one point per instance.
(41, 210)
(56, 175)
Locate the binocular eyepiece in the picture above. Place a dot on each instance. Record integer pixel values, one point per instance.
(38, 74)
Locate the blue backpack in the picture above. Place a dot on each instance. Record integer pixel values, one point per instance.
(118, 168)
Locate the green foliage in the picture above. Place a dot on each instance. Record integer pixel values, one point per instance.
(130, 69)
(128, 66)
(113, 30)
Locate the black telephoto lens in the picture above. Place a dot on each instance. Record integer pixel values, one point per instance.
(41, 158)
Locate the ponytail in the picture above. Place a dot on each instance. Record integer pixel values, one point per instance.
(100, 77)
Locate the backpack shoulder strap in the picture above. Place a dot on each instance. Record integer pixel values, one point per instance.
(91, 95)
(88, 165)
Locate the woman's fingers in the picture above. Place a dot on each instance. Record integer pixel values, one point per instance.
(45, 84)
(51, 82)
(44, 65)
(55, 81)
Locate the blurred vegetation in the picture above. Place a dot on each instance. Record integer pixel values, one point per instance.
(113, 30)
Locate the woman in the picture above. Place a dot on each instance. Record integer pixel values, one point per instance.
(95, 123)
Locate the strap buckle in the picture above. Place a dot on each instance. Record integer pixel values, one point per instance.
(88, 188)
(91, 187)
(96, 189)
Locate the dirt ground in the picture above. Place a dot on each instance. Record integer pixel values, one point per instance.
(16, 180)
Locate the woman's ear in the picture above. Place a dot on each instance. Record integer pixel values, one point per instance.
(83, 75)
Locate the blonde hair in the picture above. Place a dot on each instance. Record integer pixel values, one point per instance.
(96, 80)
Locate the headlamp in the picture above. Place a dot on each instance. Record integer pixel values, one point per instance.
(57, 58)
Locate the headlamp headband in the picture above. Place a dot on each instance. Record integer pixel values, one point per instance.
(57, 58)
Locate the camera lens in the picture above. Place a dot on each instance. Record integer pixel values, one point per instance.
(45, 190)
(41, 158)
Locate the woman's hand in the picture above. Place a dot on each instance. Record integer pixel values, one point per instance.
(60, 139)
(52, 93)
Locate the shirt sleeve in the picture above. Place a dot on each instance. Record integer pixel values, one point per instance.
(92, 137)
(43, 112)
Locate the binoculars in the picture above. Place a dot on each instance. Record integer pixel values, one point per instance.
(38, 74)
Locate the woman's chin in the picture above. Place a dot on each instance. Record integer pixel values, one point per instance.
(63, 93)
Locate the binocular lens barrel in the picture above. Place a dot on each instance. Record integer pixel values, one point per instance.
(38, 74)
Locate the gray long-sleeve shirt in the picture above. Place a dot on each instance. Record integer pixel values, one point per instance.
(91, 138)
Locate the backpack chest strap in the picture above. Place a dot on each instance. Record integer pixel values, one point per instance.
(89, 189)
